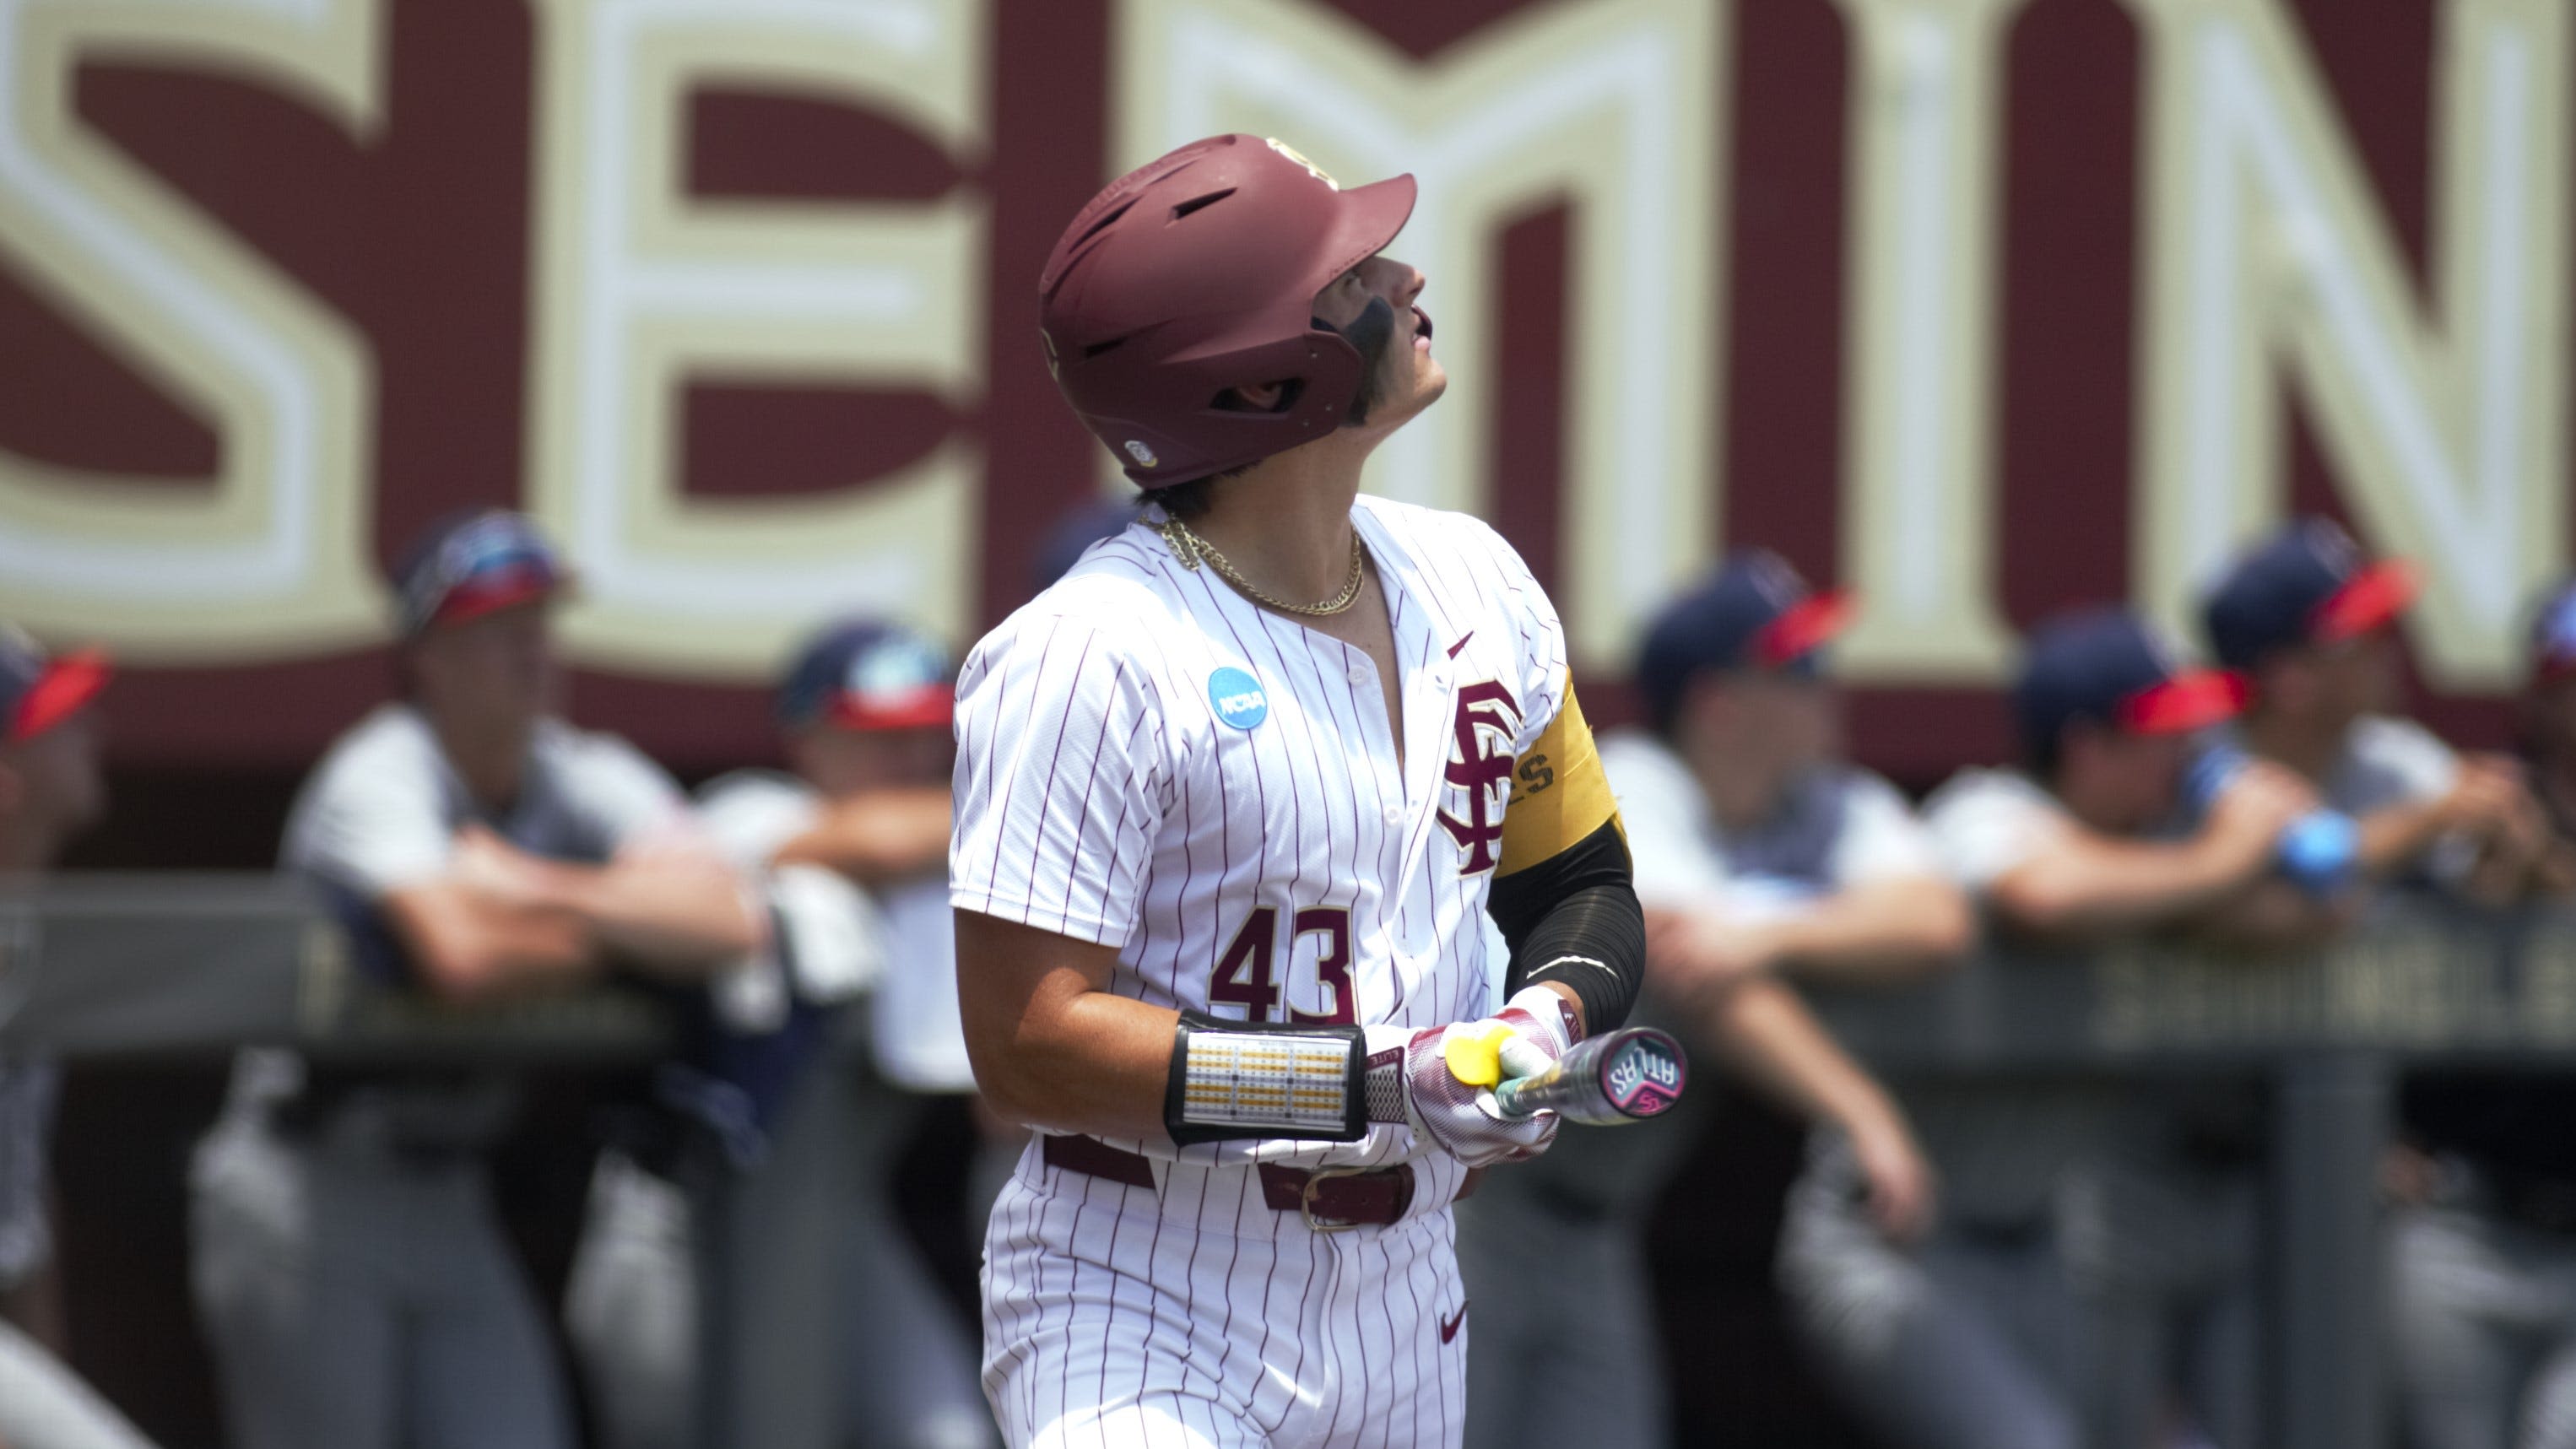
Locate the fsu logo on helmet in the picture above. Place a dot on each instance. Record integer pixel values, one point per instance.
(1143, 455)
(1293, 154)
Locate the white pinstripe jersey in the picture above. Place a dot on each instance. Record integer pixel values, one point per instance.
(1148, 761)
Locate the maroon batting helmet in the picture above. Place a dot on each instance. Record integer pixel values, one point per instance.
(1198, 273)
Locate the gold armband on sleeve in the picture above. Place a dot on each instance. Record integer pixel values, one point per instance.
(1559, 794)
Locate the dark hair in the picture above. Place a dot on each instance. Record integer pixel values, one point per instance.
(1185, 501)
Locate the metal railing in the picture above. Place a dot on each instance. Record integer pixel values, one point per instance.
(192, 965)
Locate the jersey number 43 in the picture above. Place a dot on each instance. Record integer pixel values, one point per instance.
(1245, 974)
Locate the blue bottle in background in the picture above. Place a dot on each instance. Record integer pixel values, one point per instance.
(2318, 851)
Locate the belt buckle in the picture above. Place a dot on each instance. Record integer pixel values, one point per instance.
(1306, 1199)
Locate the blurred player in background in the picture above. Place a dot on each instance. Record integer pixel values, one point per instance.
(1759, 854)
(356, 1290)
(2482, 1245)
(50, 790)
(853, 847)
(2309, 622)
(1982, 1337)
(863, 716)
(1233, 799)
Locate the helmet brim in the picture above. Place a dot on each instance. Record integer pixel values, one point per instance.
(1370, 218)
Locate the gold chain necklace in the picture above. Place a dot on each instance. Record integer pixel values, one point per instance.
(1189, 548)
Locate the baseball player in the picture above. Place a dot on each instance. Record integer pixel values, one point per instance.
(2014, 1323)
(853, 847)
(50, 790)
(2309, 622)
(2481, 1286)
(354, 1285)
(864, 721)
(1759, 855)
(1233, 799)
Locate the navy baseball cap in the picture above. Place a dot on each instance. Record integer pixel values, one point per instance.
(38, 691)
(474, 565)
(2553, 637)
(866, 675)
(1754, 613)
(2107, 666)
(2309, 585)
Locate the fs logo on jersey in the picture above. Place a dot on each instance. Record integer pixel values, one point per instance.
(1487, 718)
(1238, 698)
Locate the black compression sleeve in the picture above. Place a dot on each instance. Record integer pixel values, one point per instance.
(1574, 918)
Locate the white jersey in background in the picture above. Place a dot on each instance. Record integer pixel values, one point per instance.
(897, 942)
(2384, 761)
(1837, 826)
(321, 1247)
(382, 809)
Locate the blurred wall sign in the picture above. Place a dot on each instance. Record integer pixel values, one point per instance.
(735, 297)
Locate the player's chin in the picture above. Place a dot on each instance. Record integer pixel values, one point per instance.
(1424, 387)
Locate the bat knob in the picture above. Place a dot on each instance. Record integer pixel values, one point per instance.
(1475, 1052)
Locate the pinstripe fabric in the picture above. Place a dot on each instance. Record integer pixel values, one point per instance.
(1102, 793)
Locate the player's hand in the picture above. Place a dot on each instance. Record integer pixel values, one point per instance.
(2489, 796)
(1902, 1185)
(2260, 801)
(492, 865)
(1461, 1118)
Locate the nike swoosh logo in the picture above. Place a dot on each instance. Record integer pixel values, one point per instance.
(1461, 644)
(1449, 1326)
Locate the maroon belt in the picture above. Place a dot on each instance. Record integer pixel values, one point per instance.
(1330, 1199)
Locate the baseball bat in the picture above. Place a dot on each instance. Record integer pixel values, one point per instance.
(1609, 1080)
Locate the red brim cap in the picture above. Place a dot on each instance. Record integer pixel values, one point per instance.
(68, 683)
(2367, 601)
(931, 704)
(1803, 628)
(475, 598)
(2194, 699)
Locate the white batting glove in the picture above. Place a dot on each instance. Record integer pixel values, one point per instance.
(1410, 1080)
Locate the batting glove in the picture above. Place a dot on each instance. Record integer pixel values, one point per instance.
(1411, 1080)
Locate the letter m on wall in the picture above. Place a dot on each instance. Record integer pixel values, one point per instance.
(1608, 107)
(2441, 418)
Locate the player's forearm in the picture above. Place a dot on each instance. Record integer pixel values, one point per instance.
(1080, 1060)
(1876, 934)
(2103, 888)
(683, 914)
(1051, 1045)
(1771, 1038)
(468, 945)
(881, 836)
(1574, 920)
(2392, 839)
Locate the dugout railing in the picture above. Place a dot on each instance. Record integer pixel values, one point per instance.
(195, 965)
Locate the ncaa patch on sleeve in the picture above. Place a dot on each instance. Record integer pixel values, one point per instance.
(1238, 698)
